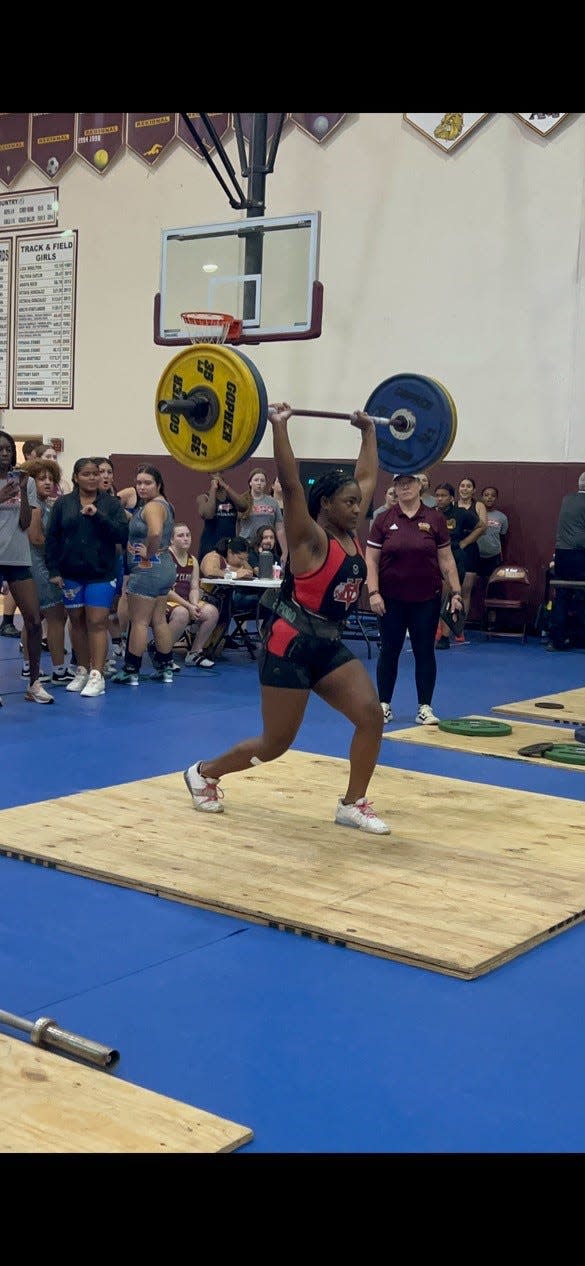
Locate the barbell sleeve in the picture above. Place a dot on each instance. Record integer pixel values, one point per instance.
(46, 1033)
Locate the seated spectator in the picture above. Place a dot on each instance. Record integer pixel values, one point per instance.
(265, 540)
(187, 608)
(232, 555)
(490, 544)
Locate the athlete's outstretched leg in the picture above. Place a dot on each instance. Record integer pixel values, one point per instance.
(282, 713)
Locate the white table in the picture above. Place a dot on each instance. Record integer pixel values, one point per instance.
(210, 583)
(256, 583)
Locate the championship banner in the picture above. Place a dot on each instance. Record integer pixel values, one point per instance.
(318, 126)
(52, 142)
(445, 130)
(99, 138)
(149, 135)
(14, 145)
(542, 123)
(221, 123)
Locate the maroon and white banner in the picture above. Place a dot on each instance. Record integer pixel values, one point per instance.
(318, 126)
(221, 123)
(99, 137)
(14, 145)
(5, 292)
(149, 135)
(52, 142)
(44, 321)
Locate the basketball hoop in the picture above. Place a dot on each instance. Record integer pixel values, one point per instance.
(211, 327)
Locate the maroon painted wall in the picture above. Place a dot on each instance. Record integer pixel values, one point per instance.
(530, 495)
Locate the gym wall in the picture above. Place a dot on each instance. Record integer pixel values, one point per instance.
(465, 266)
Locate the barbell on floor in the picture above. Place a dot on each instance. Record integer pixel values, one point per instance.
(212, 409)
(45, 1032)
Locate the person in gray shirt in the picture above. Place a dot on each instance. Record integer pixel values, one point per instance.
(569, 561)
(490, 544)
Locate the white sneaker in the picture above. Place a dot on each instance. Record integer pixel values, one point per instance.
(95, 685)
(386, 711)
(362, 816)
(426, 716)
(79, 680)
(198, 659)
(37, 694)
(205, 791)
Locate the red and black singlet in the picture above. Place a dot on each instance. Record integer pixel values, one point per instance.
(331, 591)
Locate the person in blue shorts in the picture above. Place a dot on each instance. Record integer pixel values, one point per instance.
(83, 530)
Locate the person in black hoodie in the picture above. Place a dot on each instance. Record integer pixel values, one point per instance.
(84, 528)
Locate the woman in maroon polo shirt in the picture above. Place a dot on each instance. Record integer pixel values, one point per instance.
(408, 555)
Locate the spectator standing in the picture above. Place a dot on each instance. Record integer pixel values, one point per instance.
(388, 502)
(275, 491)
(408, 555)
(219, 509)
(50, 454)
(427, 497)
(83, 530)
(569, 561)
(15, 560)
(467, 500)
(46, 474)
(462, 526)
(491, 543)
(153, 572)
(261, 510)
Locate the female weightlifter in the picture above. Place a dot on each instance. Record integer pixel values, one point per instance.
(303, 649)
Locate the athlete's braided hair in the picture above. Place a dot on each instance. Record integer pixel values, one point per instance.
(327, 486)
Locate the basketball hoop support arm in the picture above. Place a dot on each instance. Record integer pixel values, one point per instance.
(255, 168)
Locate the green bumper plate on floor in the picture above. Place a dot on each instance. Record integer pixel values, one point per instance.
(567, 754)
(482, 729)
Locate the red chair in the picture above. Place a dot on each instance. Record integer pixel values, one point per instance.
(506, 595)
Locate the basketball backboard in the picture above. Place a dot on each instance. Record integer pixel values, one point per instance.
(262, 270)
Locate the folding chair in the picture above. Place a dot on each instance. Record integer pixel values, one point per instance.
(507, 592)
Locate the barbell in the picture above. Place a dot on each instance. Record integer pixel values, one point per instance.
(212, 409)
